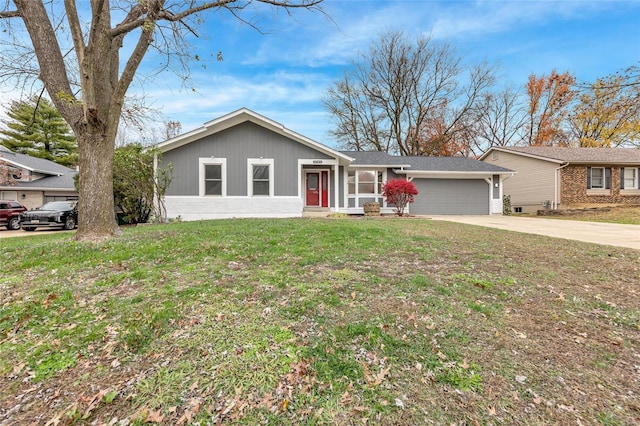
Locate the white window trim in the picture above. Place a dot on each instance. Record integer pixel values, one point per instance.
(259, 162)
(211, 161)
(357, 196)
(635, 178)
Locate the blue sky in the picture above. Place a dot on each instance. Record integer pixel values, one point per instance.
(284, 72)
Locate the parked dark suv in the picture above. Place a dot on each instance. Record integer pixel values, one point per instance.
(55, 214)
(10, 214)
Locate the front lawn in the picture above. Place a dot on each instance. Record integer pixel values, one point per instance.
(318, 321)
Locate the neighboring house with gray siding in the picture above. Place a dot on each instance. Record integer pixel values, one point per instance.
(246, 165)
(34, 181)
(555, 177)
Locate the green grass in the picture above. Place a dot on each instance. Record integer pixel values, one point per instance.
(386, 321)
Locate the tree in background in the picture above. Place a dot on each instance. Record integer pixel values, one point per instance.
(437, 138)
(607, 113)
(394, 91)
(498, 120)
(136, 189)
(78, 52)
(400, 193)
(549, 100)
(37, 129)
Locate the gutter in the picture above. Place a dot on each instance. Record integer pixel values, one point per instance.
(556, 183)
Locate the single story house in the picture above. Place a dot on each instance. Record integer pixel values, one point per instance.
(246, 165)
(34, 181)
(556, 177)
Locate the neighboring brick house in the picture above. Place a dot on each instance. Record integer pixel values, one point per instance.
(553, 177)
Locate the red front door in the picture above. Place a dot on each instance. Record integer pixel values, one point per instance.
(317, 188)
(313, 189)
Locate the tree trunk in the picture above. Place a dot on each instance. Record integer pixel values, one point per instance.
(96, 214)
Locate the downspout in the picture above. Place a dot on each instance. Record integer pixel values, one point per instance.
(555, 189)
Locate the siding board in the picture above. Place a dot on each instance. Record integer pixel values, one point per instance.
(532, 185)
(236, 144)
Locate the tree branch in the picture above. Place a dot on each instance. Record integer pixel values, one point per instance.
(75, 28)
(135, 19)
(9, 14)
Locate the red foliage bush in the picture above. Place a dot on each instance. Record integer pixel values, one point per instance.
(399, 192)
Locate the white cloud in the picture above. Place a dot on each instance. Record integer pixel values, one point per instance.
(466, 19)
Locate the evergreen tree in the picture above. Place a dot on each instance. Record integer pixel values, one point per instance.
(36, 128)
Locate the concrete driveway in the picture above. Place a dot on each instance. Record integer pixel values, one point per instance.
(591, 232)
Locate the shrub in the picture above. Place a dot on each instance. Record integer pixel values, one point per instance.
(399, 192)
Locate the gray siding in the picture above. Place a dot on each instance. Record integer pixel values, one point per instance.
(236, 144)
(451, 196)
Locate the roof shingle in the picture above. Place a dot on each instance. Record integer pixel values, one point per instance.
(581, 155)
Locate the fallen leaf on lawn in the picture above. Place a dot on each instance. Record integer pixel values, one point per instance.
(115, 363)
(154, 417)
(492, 410)
(518, 334)
(537, 400)
(441, 355)
(284, 405)
(55, 421)
(353, 295)
(399, 403)
(194, 386)
(521, 379)
(18, 368)
(464, 364)
(570, 408)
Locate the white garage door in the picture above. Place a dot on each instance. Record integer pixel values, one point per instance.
(451, 196)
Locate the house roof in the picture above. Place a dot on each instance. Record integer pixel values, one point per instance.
(240, 116)
(58, 176)
(33, 164)
(375, 158)
(575, 155)
(63, 182)
(421, 164)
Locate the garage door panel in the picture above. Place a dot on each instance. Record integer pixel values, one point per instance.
(451, 196)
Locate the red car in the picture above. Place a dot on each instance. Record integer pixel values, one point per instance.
(10, 214)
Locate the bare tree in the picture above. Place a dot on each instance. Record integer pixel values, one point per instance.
(498, 120)
(94, 106)
(393, 90)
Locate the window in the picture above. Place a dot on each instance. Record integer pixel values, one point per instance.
(213, 177)
(598, 178)
(260, 177)
(364, 186)
(630, 178)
